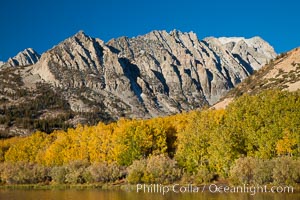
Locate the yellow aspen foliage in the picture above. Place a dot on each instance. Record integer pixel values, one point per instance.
(101, 143)
(195, 141)
(27, 149)
(285, 145)
(5, 145)
(53, 155)
(132, 141)
(79, 138)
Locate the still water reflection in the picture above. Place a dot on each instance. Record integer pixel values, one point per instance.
(70, 194)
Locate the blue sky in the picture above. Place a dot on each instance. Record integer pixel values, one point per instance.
(43, 24)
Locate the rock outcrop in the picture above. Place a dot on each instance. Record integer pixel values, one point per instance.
(24, 58)
(155, 74)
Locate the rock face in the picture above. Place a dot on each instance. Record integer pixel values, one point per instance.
(24, 58)
(1, 63)
(155, 74)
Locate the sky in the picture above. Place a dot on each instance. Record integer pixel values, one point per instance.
(41, 24)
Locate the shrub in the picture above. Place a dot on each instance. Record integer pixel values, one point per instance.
(263, 172)
(23, 173)
(76, 172)
(243, 170)
(282, 170)
(161, 169)
(104, 172)
(156, 169)
(58, 174)
(136, 171)
(203, 175)
(39, 174)
(286, 170)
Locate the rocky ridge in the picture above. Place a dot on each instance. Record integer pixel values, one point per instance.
(155, 74)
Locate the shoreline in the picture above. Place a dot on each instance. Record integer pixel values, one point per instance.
(63, 186)
(115, 186)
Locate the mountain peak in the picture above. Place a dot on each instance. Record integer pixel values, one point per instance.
(26, 57)
(80, 52)
(81, 34)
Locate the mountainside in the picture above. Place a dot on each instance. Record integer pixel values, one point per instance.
(155, 74)
(281, 73)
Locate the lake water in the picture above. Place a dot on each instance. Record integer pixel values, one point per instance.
(91, 194)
